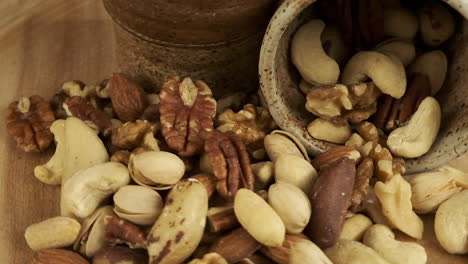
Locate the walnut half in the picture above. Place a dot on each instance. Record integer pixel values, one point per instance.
(28, 121)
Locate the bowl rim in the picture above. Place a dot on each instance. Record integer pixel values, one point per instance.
(284, 16)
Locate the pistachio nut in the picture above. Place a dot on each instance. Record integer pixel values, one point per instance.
(159, 170)
(55, 232)
(264, 174)
(258, 218)
(295, 218)
(280, 142)
(138, 204)
(179, 229)
(92, 235)
(430, 189)
(433, 64)
(295, 170)
(88, 188)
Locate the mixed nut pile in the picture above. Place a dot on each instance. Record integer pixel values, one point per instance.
(178, 177)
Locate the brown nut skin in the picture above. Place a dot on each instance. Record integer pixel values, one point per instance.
(83, 109)
(236, 245)
(128, 98)
(57, 256)
(330, 200)
(114, 255)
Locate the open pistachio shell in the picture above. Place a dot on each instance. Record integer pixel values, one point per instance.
(140, 179)
(91, 237)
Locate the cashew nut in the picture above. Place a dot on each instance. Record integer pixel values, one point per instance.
(382, 239)
(294, 170)
(78, 147)
(433, 64)
(309, 57)
(386, 71)
(179, 229)
(334, 45)
(417, 137)
(87, 188)
(437, 23)
(430, 189)
(326, 130)
(355, 227)
(55, 232)
(400, 22)
(258, 218)
(402, 49)
(281, 196)
(353, 252)
(395, 199)
(451, 222)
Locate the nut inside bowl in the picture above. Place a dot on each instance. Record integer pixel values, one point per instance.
(279, 82)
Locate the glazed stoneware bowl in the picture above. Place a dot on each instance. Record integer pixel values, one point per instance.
(279, 82)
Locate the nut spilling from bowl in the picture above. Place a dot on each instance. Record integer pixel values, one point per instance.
(175, 178)
(177, 202)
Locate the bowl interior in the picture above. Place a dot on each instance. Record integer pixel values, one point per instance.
(279, 84)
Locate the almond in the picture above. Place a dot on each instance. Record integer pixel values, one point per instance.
(57, 256)
(128, 98)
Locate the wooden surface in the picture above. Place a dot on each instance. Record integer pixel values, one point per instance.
(43, 44)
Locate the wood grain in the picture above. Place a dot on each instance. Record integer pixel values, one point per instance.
(43, 44)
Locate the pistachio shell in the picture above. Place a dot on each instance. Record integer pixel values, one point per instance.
(96, 238)
(295, 218)
(179, 229)
(159, 167)
(91, 237)
(258, 218)
(296, 171)
(139, 219)
(281, 142)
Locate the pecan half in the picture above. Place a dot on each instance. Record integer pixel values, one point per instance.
(82, 108)
(393, 113)
(187, 110)
(28, 121)
(120, 231)
(230, 162)
(128, 98)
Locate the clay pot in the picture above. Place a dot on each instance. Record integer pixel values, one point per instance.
(279, 82)
(215, 41)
